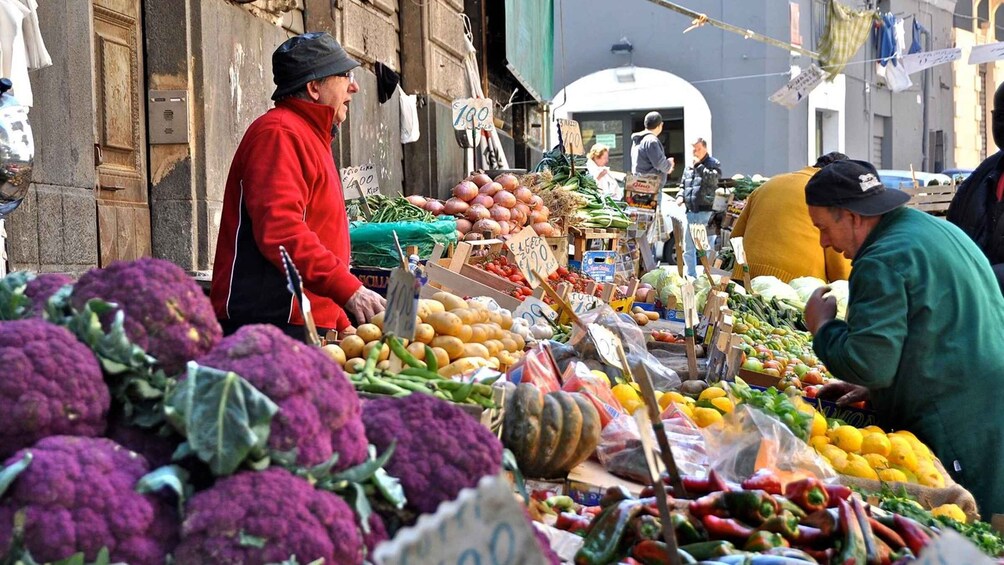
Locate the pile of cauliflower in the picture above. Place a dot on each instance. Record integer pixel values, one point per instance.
(84, 482)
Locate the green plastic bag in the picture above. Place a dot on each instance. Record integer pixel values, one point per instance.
(373, 244)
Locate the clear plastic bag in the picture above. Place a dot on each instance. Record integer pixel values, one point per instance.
(752, 440)
(621, 453)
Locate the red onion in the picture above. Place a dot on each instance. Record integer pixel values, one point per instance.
(473, 236)
(537, 217)
(435, 207)
(508, 181)
(506, 228)
(465, 191)
(484, 200)
(455, 206)
(490, 189)
(523, 194)
(463, 226)
(477, 212)
(544, 210)
(417, 200)
(500, 213)
(482, 226)
(480, 179)
(506, 199)
(518, 216)
(536, 202)
(543, 229)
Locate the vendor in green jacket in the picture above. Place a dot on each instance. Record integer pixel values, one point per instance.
(924, 335)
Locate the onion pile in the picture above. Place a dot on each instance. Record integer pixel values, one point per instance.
(496, 208)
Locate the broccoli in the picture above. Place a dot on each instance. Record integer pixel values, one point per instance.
(41, 288)
(319, 411)
(440, 448)
(257, 517)
(77, 495)
(49, 384)
(166, 313)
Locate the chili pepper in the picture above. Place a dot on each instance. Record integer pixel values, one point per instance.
(709, 505)
(824, 520)
(809, 536)
(726, 528)
(762, 541)
(809, 493)
(613, 495)
(887, 534)
(883, 552)
(915, 537)
(646, 527)
(709, 549)
(784, 523)
(852, 552)
(764, 480)
(821, 555)
(573, 523)
(650, 552)
(712, 483)
(871, 549)
(606, 533)
(790, 552)
(790, 506)
(836, 492)
(686, 531)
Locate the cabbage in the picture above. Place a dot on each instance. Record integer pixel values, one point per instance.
(655, 277)
(840, 290)
(772, 287)
(805, 286)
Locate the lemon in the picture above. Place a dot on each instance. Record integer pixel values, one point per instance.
(631, 405)
(901, 454)
(859, 468)
(950, 511)
(836, 456)
(847, 438)
(625, 394)
(876, 461)
(818, 442)
(711, 393)
(686, 409)
(676, 397)
(876, 443)
(705, 417)
(872, 430)
(601, 376)
(929, 476)
(819, 426)
(892, 476)
(911, 477)
(636, 387)
(724, 405)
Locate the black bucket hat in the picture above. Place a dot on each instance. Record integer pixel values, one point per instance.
(855, 186)
(307, 57)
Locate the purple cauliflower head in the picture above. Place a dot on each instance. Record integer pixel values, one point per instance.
(377, 535)
(440, 448)
(166, 313)
(283, 513)
(50, 384)
(77, 495)
(319, 411)
(42, 287)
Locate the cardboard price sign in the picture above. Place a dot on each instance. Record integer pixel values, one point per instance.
(473, 113)
(571, 137)
(582, 303)
(531, 253)
(606, 344)
(533, 310)
(359, 182)
(483, 526)
(402, 304)
(738, 249)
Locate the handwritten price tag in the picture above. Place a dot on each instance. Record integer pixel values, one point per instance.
(689, 303)
(402, 304)
(532, 254)
(473, 113)
(582, 303)
(606, 344)
(738, 249)
(359, 182)
(798, 88)
(571, 137)
(700, 235)
(533, 310)
(986, 53)
(920, 61)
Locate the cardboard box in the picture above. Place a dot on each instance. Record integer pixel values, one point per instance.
(597, 265)
(374, 278)
(587, 482)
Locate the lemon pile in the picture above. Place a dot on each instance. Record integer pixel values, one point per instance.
(870, 453)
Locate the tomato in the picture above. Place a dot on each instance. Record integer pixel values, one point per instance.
(562, 272)
(516, 277)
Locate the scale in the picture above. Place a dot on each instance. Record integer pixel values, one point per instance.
(17, 155)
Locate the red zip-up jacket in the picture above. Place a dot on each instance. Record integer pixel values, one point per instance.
(283, 189)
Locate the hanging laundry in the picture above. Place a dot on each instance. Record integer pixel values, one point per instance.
(846, 31)
(915, 45)
(13, 53)
(387, 81)
(884, 38)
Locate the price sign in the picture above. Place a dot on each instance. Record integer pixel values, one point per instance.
(799, 87)
(359, 182)
(916, 62)
(571, 137)
(531, 253)
(488, 303)
(533, 310)
(738, 249)
(606, 344)
(402, 304)
(700, 235)
(483, 526)
(473, 113)
(582, 303)
(986, 53)
(689, 303)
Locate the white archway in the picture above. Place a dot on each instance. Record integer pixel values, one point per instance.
(602, 91)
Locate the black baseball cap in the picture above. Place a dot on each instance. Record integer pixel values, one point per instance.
(303, 58)
(855, 186)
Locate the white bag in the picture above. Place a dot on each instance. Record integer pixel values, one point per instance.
(409, 116)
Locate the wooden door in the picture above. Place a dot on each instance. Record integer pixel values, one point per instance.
(120, 131)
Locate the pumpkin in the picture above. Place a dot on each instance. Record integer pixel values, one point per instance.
(549, 433)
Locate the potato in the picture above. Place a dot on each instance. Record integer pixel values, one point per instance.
(353, 366)
(508, 343)
(418, 350)
(442, 357)
(453, 346)
(353, 345)
(369, 332)
(461, 366)
(383, 365)
(445, 323)
(424, 333)
(494, 347)
(378, 320)
(449, 300)
(427, 306)
(641, 319)
(494, 318)
(637, 310)
(467, 315)
(497, 331)
(478, 334)
(465, 333)
(652, 316)
(335, 353)
(384, 352)
(520, 342)
(476, 350)
(506, 321)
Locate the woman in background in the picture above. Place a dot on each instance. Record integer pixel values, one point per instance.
(596, 164)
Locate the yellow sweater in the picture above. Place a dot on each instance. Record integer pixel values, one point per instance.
(779, 237)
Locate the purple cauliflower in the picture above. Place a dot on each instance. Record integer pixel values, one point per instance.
(50, 384)
(41, 288)
(378, 533)
(440, 448)
(77, 495)
(166, 313)
(257, 517)
(319, 411)
(155, 448)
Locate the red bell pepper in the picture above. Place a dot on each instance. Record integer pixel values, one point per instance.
(809, 537)
(784, 523)
(762, 541)
(852, 551)
(725, 528)
(709, 484)
(572, 522)
(809, 494)
(764, 480)
(836, 492)
(887, 534)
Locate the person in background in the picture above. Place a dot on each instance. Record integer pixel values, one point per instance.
(924, 335)
(698, 195)
(978, 206)
(778, 234)
(648, 156)
(284, 190)
(599, 156)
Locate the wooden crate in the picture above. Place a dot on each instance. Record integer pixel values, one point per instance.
(583, 240)
(931, 199)
(461, 275)
(559, 247)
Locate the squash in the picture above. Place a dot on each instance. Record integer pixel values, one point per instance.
(549, 433)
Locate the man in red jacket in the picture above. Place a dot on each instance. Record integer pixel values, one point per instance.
(284, 189)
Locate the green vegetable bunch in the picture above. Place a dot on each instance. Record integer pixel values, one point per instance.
(776, 404)
(390, 209)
